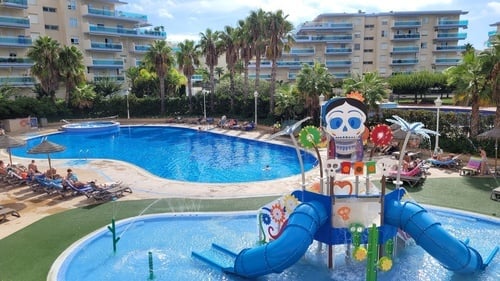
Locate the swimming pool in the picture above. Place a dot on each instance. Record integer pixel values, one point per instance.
(181, 153)
(172, 237)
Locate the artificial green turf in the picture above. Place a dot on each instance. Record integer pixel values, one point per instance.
(28, 254)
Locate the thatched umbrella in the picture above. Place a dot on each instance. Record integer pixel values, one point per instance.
(9, 142)
(46, 147)
(492, 134)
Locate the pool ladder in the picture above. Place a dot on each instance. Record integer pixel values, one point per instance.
(84, 154)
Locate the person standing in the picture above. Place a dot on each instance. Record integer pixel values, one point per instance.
(484, 161)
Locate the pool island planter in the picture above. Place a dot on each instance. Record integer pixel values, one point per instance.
(95, 127)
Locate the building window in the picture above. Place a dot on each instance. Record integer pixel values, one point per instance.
(51, 27)
(369, 25)
(73, 22)
(33, 19)
(423, 45)
(357, 35)
(71, 5)
(75, 40)
(384, 33)
(384, 22)
(357, 47)
(49, 9)
(367, 62)
(368, 38)
(368, 50)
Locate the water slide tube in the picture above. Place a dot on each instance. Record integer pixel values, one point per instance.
(276, 256)
(452, 253)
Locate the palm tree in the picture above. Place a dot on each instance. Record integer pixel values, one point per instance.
(187, 58)
(470, 83)
(229, 40)
(280, 38)
(219, 71)
(45, 54)
(371, 86)
(491, 66)
(246, 52)
(256, 30)
(159, 57)
(72, 69)
(208, 45)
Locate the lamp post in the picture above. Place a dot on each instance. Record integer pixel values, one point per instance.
(321, 101)
(438, 102)
(128, 107)
(255, 95)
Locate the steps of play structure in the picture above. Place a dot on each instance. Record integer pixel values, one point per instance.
(218, 257)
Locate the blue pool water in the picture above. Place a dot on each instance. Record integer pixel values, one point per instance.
(181, 153)
(171, 239)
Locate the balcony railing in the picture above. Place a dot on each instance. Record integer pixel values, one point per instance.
(404, 61)
(103, 46)
(141, 48)
(407, 49)
(338, 63)
(120, 31)
(15, 62)
(293, 64)
(448, 61)
(16, 22)
(261, 76)
(450, 48)
(263, 63)
(337, 38)
(302, 51)
(452, 36)
(118, 14)
(17, 81)
(453, 23)
(406, 36)
(20, 41)
(338, 51)
(340, 75)
(18, 4)
(325, 25)
(411, 23)
(492, 33)
(109, 63)
(114, 78)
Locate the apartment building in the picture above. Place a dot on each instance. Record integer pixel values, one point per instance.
(492, 34)
(388, 43)
(110, 40)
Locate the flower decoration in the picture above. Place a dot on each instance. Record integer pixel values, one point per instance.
(278, 213)
(290, 202)
(381, 135)
(356, 95)
(360, 254)
(385, 263)
(309, 136)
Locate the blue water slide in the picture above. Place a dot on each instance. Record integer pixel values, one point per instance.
(452, 253)
(276, 256)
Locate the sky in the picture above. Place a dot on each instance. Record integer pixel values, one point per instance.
(186, 19)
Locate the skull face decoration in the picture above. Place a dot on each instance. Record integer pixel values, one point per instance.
(344, 120)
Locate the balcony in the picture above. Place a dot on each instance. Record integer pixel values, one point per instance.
(405, 50)
(301, 52)
(325, 26)
(404, 62)
(338, 63)
(17, 81)
(16, 42)
(15, 4)
(451, 36)
(338, 51)
(141, 48)
(323, 38)
(261, 76)
(340, 75)
(14, 22)
(196, 78)
(407, 24)
(14, 62)
(106, 47)
(127, 32)
(113, 78)
(107, 63)
(117, 15)
(450, 48)
(449, 24)
(294, 64)
(448, 61)
(292, 76)
(263, 63)
(406, 37)
(493, 33)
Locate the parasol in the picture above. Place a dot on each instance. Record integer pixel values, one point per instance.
(46, 147)
(9, 142)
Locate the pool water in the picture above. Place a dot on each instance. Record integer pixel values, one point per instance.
(182, 154)
(171, 239)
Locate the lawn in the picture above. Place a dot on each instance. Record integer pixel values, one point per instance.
(28, 254)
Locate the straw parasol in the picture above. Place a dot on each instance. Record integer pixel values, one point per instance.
(46, 147)
(9, 142)
(492, 134)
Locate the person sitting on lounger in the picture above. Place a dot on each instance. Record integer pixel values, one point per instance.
(3, 168)
(73, 179)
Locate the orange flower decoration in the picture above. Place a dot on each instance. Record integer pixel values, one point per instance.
(356, 95)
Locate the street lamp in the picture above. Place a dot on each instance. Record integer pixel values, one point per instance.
(438, 102)
(128, 107)
(321, 101)
(255, 95)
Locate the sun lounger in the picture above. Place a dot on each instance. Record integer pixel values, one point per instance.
(453, 162)
(110, 193)
(4, 212)
(413, 177)
(472, 168)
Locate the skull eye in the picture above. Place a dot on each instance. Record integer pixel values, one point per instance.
(355, 122)
(335, 123)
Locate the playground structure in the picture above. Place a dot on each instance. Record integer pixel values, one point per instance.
(346, 209)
